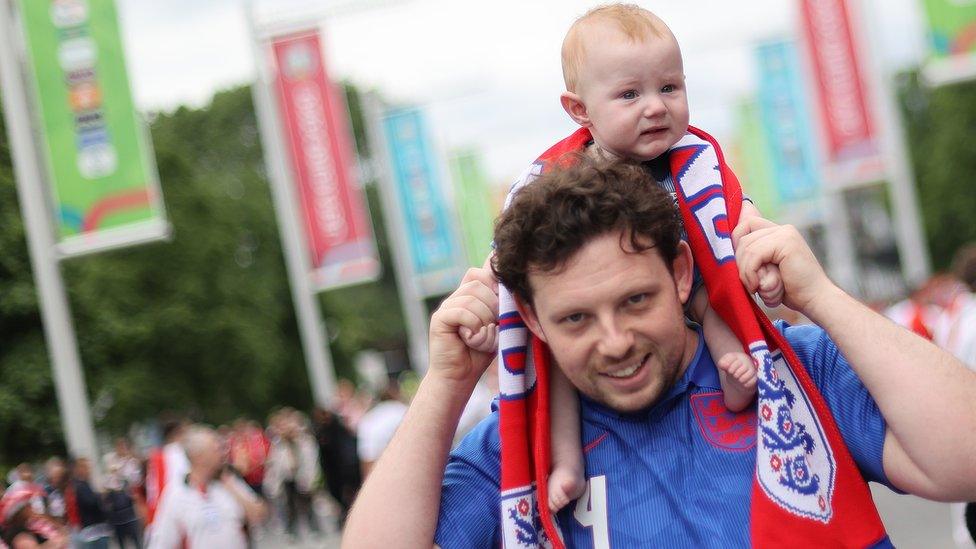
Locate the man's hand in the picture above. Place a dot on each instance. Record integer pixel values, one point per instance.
(760, 243)
(471, 310)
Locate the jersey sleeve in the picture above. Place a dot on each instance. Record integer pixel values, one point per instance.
(469, 496)
(857, 415)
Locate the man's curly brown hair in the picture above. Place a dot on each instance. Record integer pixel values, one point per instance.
(553, 217)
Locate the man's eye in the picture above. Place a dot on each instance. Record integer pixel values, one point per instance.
(574, 318)
(629, 94)
(668, 88)
(636, 298)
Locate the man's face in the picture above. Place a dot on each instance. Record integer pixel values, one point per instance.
(614, 321)
(208, 458)
(633, 93)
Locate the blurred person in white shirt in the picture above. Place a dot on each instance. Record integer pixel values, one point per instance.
(211, 506)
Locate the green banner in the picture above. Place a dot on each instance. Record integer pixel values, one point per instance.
(753, 165)
(473, 201)
(952, 27)
(102, 174)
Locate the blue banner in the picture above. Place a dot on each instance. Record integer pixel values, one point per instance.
(785, 115)
(435, 254)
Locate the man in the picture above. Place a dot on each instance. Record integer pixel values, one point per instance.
(605, 289)
(210, 506)
(377, 426)
(165, 463)
(86, 509)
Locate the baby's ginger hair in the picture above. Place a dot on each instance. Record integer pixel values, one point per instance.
(635, 22)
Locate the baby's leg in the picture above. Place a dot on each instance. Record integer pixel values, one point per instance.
(566, 481)
(736, 370)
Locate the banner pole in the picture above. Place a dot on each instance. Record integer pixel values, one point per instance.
(69, 379)
(912, 247)
(411, 302)
(318, 358)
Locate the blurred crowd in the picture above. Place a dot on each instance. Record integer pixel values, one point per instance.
(230, 485)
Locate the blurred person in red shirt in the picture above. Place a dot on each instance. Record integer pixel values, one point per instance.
(248, 449)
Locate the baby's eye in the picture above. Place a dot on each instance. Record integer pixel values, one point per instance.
(574, 318)
(668, 88)
(629, 94)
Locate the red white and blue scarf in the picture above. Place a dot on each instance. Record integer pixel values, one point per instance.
(807, 490)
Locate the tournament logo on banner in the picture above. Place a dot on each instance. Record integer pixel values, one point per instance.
(850, 134)
(434, 249)
(104, 186)
(952, 40)
(338, 231)
(786, 123)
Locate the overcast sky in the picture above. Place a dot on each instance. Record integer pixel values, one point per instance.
(488, 73)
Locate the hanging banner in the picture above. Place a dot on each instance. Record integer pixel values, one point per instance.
(849, 132)
(473, 200)
(786, 122)
(952, 40)
(101, 170)
(434, 249)
(750, 158)
(338, 231)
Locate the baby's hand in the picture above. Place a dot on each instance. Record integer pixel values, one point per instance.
(485, 340)
(770, 285)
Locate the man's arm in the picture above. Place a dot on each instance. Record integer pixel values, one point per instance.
(927, 397)
(398, 505)
(255, 511)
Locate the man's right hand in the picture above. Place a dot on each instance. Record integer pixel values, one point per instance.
(473, 308)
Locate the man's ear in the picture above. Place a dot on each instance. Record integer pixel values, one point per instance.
(575, 108)
(683, 268)
(527, 312)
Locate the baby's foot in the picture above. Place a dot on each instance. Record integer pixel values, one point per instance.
(565, 485)
(739, 381)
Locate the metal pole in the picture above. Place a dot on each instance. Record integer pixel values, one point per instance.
(69, 380)
(411, 302)
(838, 241)
(315, 344)
(912, 247)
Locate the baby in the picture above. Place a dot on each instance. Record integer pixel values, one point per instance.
(625, 82)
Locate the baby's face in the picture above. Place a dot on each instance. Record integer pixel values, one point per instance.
(634, 93)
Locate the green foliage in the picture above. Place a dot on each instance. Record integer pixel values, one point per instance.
(940, 123)
(203, 323)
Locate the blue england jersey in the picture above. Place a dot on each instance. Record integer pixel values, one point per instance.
(677, 474)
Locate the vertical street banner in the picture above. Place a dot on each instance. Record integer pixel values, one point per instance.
(102, 175)
(952, 40)
(750, 158)
(434, 249)
(850, 137)
(338, 231)
(786, 122)
(473, 200)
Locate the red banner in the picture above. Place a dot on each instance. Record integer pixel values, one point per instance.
(847, 125)
(337, 226)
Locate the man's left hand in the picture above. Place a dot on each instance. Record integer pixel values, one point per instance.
(760, 242)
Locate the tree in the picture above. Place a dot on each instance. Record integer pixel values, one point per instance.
(203, 323)
(940, 123)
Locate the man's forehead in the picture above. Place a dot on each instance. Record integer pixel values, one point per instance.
(594, 258)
